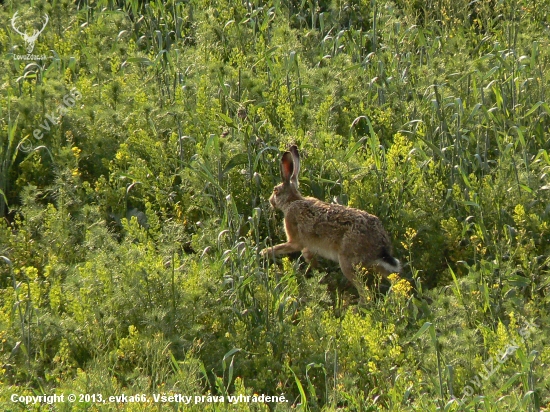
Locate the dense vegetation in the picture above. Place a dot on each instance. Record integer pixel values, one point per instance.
(137, 158)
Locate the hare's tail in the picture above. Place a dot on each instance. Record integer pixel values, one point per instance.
(388, 262)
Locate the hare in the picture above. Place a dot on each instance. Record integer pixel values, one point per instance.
(343, 234)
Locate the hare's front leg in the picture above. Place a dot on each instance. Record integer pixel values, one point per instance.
(310, 257)
(282, 249)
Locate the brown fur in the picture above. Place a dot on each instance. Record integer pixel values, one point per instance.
(346, 235)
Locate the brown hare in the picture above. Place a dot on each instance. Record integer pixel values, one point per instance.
(343, 234)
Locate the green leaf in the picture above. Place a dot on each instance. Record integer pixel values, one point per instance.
(303, 397)
(526, 188)
(309, 87)
(258, 156)
(423, 329)
(142, 60)
(231, 354)
(510, 381)
(532, 109)
(240, 159)
(4, 197)
(519, 281)
(435, 149)
(469, 203)
(354, 148)
(228, 120)
(458, 293)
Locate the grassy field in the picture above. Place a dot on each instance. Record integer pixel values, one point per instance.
(141, 140)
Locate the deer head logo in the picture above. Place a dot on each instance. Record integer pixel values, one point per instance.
(29, 40)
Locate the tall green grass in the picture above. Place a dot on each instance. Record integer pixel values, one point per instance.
(131, 232)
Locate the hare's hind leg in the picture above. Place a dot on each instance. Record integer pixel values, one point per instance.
(347, 269)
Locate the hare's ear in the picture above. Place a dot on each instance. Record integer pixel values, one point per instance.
(296, 159)
(287, 167)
